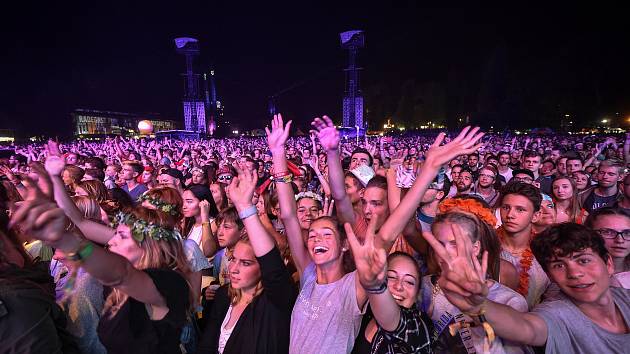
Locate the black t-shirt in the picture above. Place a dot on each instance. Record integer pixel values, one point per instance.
(594, 201)
(132, 331)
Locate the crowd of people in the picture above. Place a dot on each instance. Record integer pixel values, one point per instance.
(452, 243)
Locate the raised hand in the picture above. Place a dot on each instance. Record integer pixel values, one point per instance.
(327, 209)
(55, 164)
(40, 217)
(371, 148)
(463, 278)
(464, 143)
(277, 137)
(204, 207)
(371, 261)
(327, 133)
(5, 170)
(398, 160)
(52, 147)
(242, 188)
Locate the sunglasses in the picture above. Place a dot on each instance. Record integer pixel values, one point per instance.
(225, 178)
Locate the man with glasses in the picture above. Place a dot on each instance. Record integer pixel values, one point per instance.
(485, 185)
(523, 175)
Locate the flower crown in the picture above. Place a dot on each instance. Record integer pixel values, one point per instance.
(310, 195)
(140, 228)
(471, 206)
(160, 205)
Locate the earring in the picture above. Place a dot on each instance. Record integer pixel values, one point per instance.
(344, 249)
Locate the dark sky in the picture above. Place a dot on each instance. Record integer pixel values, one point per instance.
(521, 66)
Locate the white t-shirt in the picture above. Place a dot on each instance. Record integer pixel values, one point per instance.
(195, 234)
(507, 174)
(326, 317)
(225, 332)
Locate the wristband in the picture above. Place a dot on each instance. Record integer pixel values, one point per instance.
(281, 174)
(381, 289)
(84, 251)
(249, 211)
(284, 179)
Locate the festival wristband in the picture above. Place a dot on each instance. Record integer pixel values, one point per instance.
(249, 211)
(281, 174)
(84, 251)
(381, 289)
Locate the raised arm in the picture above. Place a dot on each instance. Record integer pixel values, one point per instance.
(94, 231)
(329, 139)
(209, 243)
(463, 281)
(314, 163)
(42, 219)
(276, 139)
(436, 156)
(242, 191)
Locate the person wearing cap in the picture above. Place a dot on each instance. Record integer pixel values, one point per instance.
(429, 204)
(225, 175)
(547, 215)
(172, 177)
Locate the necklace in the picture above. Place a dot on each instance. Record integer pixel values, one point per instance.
(527, 258)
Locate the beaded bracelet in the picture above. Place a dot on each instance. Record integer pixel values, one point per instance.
(284, 179)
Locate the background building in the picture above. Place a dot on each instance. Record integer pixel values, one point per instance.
(194, 105)
(92, 123)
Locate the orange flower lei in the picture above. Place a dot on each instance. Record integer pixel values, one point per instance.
(527, 258)
(469, 205)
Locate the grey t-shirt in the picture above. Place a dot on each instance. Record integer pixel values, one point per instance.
(470, 339)
(326, 317)
(571, 331)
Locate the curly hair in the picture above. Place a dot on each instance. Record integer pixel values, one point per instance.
(564, 239)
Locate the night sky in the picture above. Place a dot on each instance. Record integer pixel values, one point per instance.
(521, 67)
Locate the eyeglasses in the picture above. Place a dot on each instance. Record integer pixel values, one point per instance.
(523, 179)
(612, 234)
(225, 178)
(486, 175)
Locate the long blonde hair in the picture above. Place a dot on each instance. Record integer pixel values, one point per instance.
(235, 295)
(89, 207)
(161, 254)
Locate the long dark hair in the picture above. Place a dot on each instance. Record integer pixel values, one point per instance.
(201, 192)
